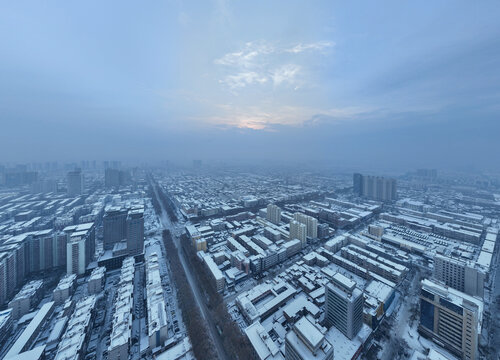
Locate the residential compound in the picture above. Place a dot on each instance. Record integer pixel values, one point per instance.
(375, 187)
(124, 226)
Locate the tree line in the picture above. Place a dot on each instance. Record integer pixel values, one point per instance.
(203, 346)
(168, 204)
(235, 342)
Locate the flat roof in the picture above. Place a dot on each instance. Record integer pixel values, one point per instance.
(30, 330)
(73, 338)
(262, 343)
(309, 332)
(66, 282)
(28, 290)
(344, 281)
(33, 354)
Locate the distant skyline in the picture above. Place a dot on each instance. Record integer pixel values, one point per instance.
(403, 85)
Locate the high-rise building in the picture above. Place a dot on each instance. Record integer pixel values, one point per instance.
(298, 231)
(135, 231)
(460, 274)
(274, 214)
(357, 180)
(116, 178)
(451, 318)
(310, 222)
(115, 226)
(4, 290)
(124, 224)
(75, 182)
(6, 323)
(75, 250)
(41, 250)
(305, 341)
(427, 173)
(80, 247)
(375, 187)
(344, 305)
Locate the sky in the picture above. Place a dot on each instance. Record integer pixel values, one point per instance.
(393, 84)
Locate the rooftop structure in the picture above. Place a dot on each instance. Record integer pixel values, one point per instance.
(28, 296)
(72, 343)
(306, 342)
(64, 288)
(157, 316)
(265, 348)
(123, 309)
(96, 280)
(264, 299)
(29, 334)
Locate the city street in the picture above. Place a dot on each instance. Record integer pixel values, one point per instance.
(167, 224)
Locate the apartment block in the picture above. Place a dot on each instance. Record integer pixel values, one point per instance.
(273, 214)
(451, 318)
(344, 305)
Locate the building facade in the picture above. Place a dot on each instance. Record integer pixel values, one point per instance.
(298, 231)
(310, 223)
(135, 231)
(274, 214)
(75, 182)
(344, 305)
(459, 274)
(375, 187)
(451, 318)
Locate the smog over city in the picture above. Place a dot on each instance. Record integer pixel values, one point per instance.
(270, 180)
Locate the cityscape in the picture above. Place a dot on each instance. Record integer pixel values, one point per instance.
(104, 261)
(250, 180)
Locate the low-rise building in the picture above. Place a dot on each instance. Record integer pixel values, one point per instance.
(305, 341)
(96, 280)
(26, 298)
(157, 326)
(122, 315)
(74, 341)
(65, 288)
(28, 336)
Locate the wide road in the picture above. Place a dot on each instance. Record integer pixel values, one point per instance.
(168, 225)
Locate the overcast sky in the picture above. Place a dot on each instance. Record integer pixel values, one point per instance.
(406, 84)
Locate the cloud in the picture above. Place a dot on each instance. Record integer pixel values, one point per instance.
(285, 74)
(269, 117)
(246, 58)
(320, 45)
(261, 62)
(240, 80)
